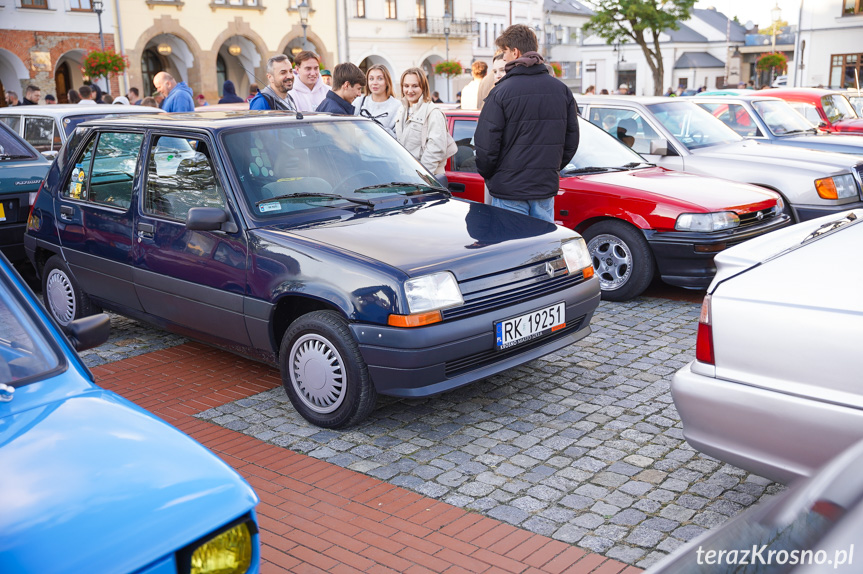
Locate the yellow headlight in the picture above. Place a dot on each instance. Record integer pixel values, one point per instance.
(228, 553)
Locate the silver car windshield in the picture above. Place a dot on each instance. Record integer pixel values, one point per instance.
(285, 168)
(781, 118)
(692, 126)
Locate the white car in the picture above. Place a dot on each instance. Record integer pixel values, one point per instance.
(776, 385)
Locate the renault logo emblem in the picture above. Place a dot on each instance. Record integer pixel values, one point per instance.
(549, 268)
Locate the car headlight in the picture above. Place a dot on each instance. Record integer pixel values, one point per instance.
(836, 187)
(577, 257)
(433, 292)
(780, 206)
(227, 553)
(707, 221)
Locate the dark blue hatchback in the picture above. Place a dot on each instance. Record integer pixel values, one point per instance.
(314, 243)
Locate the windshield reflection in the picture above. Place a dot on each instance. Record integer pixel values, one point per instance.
(781, 118)
(692, 126)
(838, 108)
(596, 148)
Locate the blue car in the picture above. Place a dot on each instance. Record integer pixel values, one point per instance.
(91, 482)
(311, 242)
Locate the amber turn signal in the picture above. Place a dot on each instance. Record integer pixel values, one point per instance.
(415, 320)
(826, 188)
(587, 272)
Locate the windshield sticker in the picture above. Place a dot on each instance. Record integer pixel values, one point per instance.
(272, 206)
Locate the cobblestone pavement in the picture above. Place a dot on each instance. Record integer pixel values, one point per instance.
(584, 445)
(128, 339)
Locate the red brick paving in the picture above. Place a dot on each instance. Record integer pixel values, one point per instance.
(319, 517)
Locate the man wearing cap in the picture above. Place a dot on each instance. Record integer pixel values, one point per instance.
(623, 90)
(327, 77)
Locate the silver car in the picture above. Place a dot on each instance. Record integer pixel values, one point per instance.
(775, 387)
(677, 134)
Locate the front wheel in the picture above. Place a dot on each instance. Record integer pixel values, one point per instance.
(64, 298)
(622, 259)
(324, 373)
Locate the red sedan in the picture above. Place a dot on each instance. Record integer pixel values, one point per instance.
(829, 110)
(640, 221)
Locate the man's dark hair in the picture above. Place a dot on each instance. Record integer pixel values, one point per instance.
(134, 90)
(50, 98)
(347, 72)
(85, 92)
(518, 37)
(31, 88)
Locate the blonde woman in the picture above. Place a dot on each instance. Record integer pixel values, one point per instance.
(378, 102)
(420, 126)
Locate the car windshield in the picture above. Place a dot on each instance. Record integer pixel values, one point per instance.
(12, 149)
(692, 126)
(837, 107)
(857, 102)
(25, 353)
(781, 118)
(598, 151)
(289, 167)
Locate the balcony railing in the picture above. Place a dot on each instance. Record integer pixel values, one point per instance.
(435, 27)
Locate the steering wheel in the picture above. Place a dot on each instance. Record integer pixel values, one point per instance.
(353, 181)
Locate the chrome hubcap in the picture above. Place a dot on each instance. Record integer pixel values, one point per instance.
(317, 373)
(61, 296)
(612, 260)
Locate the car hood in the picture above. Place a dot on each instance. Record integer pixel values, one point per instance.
(96, 484)
(832, 143)
(773, 157)
(689, 191)
(469, 239)
(851, 125)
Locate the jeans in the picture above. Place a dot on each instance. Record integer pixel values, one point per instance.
(539, 208)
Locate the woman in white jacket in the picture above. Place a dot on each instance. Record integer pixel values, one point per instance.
(420, 126)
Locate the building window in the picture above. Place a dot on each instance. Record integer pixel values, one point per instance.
(151, 65)
(846, 70)
(852, 7)
(34, 4)
(250, 3)
(83, 5)
(361, 8)
(486, 34)
(391, 10)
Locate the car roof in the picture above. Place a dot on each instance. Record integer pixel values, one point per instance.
(732, 97)
(67, 110)
(643, 100)
(811, 92)
(216, 120)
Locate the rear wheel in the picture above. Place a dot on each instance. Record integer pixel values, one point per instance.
(64, 298)
(324, 373)
(622, 259)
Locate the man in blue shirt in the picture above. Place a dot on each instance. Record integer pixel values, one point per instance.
(348, 83)
(178, 97)
(275, 96)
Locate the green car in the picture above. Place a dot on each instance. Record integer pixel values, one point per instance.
(22, 170)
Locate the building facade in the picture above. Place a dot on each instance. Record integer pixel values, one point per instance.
(563, 37)
(830, 45)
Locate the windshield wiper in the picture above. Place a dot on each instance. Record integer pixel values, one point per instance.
(324, 195)
(416, 186)
(592, 168)
(632, 164)
(806, 131)
(830, 226)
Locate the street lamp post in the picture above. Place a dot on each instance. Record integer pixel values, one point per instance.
(303, 9)
(775, 15)
(447, 22)
(97, 8)
(549, 37)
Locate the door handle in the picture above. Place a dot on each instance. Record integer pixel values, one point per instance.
(147, 230)
(66, 212)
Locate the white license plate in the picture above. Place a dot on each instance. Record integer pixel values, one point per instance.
(516, 330)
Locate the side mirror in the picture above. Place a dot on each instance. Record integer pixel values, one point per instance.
(206, 218)
(89, 332)
(659, 147)
(50, 155)
(456, 187)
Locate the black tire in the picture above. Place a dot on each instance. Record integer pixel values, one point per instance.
(340, 392)
(64, 298)
(622, 259)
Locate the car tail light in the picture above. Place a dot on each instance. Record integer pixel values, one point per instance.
(31, 223)
(704, 340)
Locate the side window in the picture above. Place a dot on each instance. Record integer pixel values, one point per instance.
(77, 186)
(113, 173)
(625, 125)
(180, 176)
(13, 122)
(41, 133)
(736, 117)
(465, 158)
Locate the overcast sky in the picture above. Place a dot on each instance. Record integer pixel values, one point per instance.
(756, 10)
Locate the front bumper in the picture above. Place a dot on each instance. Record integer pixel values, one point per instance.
(807, 212)
(685, 259)
(776, 435)
(425, 361)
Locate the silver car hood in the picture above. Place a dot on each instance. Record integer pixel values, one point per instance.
(821, 163)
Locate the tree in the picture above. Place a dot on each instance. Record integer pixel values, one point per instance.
(640, 21)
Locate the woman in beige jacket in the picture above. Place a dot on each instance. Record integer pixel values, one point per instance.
(420, 126)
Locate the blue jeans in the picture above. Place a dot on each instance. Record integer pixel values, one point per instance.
(539, 208)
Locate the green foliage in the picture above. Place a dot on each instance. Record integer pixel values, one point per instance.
(448, 68)
(624, 19)
(558, 71)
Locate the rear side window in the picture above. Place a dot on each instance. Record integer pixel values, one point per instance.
(13, 122)
(12, 148)
(105, 171)
(41, 133)
(465, 158)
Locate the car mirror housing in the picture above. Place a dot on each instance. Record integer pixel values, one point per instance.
(659, 147)
(206, 218)
(89, 332)
(50, 155)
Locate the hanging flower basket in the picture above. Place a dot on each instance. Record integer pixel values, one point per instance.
(448, 68)
(98, 64)
(558, 70)
(772, 60)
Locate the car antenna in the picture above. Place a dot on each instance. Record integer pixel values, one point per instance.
(257, 79)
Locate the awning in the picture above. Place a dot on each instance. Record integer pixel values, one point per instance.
(698, 60)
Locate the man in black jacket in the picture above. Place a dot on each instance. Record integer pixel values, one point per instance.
(527, 130)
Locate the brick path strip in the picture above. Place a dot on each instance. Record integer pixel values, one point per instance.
(319, 517)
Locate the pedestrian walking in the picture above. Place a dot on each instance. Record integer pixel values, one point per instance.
(311, 90)
(276, 96)
(229, 94)
(349, 82)
(420, 126)
(178, 97)
(527, 131)
(379, 103)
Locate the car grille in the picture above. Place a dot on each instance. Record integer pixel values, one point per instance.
(513, 286)
(478, 360)
(757, 217)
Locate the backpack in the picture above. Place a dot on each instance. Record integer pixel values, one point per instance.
(451, 146)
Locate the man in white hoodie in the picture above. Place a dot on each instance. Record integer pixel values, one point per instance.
(311, 90)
